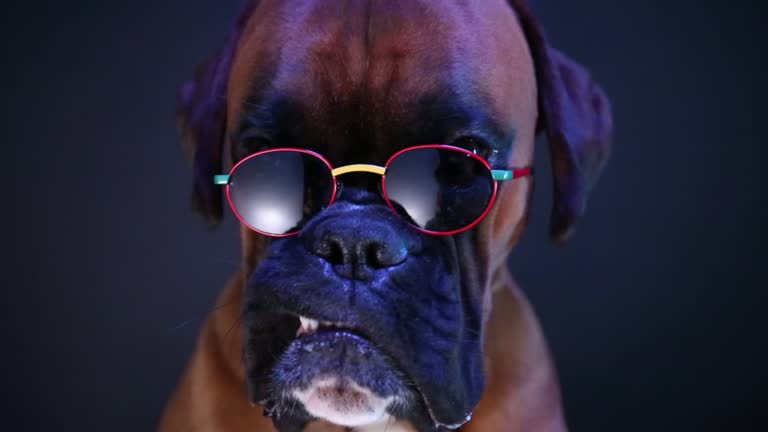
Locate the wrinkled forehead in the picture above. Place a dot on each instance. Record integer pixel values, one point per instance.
(452, 67)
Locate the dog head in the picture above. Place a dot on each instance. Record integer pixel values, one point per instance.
(361, 318)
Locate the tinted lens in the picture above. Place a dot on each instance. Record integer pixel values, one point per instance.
(276, 192)
(439, 189)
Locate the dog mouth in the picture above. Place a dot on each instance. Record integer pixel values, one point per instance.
(308, 326)
(331, 370)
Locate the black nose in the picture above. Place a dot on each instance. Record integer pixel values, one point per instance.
(356, 245)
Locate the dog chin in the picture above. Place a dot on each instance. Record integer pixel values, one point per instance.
(345, 402)
(339, 376)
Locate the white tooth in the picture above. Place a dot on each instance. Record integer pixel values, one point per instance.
(304, 321)
(309, 325)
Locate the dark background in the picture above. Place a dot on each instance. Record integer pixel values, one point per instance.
(654, 311)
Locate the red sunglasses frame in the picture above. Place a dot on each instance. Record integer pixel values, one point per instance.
(515, 173)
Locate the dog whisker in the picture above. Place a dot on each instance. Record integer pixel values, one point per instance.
(389, 423)
(235, 323)
(183, 324)
(203, 315)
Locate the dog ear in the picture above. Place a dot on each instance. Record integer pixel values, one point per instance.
(575, 114)
(201, 119)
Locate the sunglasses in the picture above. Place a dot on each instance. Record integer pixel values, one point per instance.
(438, 189)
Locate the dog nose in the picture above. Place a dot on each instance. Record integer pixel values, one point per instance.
(357, 248)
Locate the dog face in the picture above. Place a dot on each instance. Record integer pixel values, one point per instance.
(360, 318)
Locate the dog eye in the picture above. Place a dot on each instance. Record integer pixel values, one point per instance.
(248, 143)
(456, 169)
(255, 144)
(476, 145)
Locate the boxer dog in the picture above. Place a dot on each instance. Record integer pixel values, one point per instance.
(355, 317)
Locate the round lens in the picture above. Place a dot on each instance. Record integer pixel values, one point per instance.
(276, 191)
(439, 189)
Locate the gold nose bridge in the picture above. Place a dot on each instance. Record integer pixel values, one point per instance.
(358, 168)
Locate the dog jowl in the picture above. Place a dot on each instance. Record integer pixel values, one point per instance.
(375, 305)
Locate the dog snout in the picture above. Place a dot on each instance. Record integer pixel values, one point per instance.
(357, 246)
